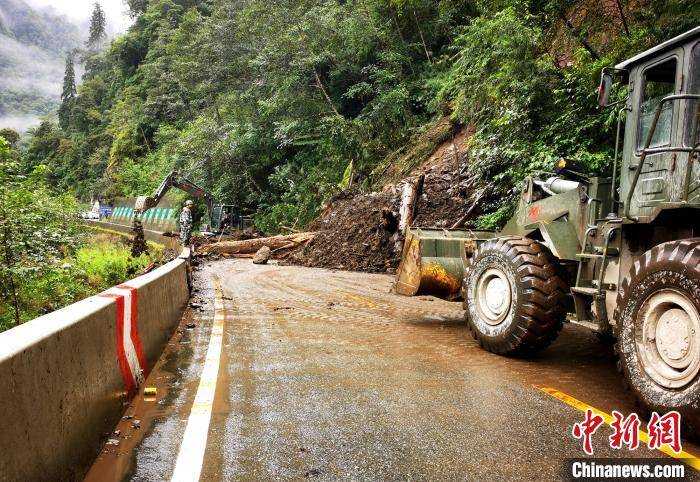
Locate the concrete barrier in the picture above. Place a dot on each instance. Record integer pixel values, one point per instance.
(65, 377)
(150, 235)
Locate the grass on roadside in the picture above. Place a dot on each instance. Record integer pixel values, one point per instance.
(104, 261)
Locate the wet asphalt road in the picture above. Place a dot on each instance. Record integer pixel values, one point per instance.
(326, 374)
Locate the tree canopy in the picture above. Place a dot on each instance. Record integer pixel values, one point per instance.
(68, 93)
(267, 103)
(98, 26)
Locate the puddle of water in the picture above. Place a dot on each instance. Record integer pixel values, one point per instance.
(117, 462)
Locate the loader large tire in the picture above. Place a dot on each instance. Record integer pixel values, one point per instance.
(658, 330)
(515, 296)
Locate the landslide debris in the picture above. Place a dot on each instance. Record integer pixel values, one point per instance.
(251, 246)
(242, 235)
(354, 232)
(262, 255)
(138, 244)
(359, 231)
(448, 190)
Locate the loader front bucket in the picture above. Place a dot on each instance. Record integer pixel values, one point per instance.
(433, 260)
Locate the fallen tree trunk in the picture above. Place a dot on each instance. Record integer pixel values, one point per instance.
(412, 191)
(410, 195)
(460, 222)
(250, 246)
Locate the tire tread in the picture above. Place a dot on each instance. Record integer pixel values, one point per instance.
(539, 321)
(685, 256)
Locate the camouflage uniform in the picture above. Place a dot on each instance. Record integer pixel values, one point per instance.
(185, 225)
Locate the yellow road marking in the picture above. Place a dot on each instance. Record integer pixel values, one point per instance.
(361, 300)
(188, 467)
(686, 457)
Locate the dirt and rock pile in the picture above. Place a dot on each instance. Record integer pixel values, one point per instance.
(364, 231)
(354, 232)
(448, 190)
(138, 244)
(360, 231)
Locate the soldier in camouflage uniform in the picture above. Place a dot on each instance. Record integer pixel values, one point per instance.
(186, 223)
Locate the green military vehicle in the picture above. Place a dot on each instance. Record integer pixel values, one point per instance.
(622, 253)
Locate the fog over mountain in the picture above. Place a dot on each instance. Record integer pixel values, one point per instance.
(78, 12)
(33, 45)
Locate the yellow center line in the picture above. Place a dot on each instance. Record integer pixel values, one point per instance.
(188, 466)
(361, 300)
(685, 457)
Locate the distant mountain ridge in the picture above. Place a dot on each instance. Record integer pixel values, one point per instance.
(33, 46)
(41, 28)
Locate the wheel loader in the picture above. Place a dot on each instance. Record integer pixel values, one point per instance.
(619, 255)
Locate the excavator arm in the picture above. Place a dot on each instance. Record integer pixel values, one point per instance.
(144, 203)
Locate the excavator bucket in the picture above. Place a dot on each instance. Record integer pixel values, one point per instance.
(143, 204)
(433, 260)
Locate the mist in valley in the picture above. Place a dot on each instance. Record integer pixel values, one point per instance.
(35, 38)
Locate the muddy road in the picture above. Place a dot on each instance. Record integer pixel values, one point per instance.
(326, 374)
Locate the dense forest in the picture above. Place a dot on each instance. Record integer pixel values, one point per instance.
(271, 104)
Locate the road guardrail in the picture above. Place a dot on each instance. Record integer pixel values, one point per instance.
(65, 377)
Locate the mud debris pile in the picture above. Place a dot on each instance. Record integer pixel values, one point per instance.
(359, 231)
(354, 233)
(138, 244)
(447, 194)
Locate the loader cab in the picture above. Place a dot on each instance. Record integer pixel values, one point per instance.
(658, 169)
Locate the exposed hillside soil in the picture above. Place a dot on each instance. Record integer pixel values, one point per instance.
(602, 21)
(404, 161)
(447, 190)
(359, 232)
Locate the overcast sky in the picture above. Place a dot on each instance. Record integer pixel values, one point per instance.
(79, 11)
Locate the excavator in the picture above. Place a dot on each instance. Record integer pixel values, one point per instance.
(222, 217)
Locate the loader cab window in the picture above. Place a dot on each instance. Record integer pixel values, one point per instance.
(658, 82)
(694, 89)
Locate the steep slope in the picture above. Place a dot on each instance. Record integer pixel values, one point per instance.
(33, 45)
(359, 231)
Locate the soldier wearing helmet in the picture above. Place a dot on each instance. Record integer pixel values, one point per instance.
(186, 223)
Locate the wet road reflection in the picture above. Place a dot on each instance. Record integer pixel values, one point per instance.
(328, 375)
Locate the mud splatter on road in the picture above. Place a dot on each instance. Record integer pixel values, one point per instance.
(173, 376)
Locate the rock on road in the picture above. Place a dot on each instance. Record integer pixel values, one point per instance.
(327, 374)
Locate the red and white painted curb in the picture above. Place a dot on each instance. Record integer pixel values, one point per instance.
(130, 355)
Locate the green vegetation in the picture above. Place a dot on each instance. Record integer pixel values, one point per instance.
(88, 270)
(276, 106)
(46, 260)
(68, 93)
(267, 105)
(42, 28)
(98, 24)
(36, 229)
(108, 262)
